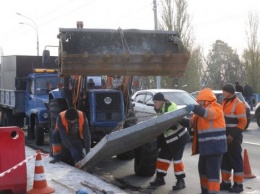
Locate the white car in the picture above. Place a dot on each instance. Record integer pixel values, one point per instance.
(144, 106)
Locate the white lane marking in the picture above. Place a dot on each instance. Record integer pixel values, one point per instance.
(258, 144)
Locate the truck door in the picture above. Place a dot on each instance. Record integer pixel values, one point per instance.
(29, 96)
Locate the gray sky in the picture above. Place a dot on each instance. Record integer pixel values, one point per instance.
(212, 19)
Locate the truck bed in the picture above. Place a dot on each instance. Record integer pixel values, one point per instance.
(13, 99)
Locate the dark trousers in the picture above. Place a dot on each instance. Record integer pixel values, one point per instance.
(173, 152)
(209, 172)
(65, 154)
(232, 159)
(249, 100)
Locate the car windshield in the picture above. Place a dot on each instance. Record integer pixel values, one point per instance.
(179, 98)
(44, 85)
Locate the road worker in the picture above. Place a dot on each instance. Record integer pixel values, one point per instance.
(235, 117)
(171, 143)
(70, 136)
(209, 140)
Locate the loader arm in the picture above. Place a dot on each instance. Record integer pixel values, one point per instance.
(121, 52)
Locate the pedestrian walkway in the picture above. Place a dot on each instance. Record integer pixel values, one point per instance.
(63, 178)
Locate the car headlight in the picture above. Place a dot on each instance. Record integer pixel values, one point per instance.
(45, 115)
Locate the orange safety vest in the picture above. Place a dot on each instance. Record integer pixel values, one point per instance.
(65, 122)
(235, 114)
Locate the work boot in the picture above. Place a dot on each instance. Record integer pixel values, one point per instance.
(158, 181)
(225, 186)
(237, 188)
(180, 184)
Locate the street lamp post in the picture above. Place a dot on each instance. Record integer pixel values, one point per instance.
(34, 26)
(158, 78)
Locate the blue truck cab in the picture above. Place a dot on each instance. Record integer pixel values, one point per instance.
(24, 94)
(38, 86)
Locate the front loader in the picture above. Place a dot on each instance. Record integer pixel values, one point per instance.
(97, 67)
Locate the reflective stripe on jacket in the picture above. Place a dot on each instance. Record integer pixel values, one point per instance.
(65, 122)
(235, 115)
(172, 135)
(210, 137)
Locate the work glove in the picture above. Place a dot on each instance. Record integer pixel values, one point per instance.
(189, 108)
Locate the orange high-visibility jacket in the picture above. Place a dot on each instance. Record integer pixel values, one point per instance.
(235, 116)
(209, 130)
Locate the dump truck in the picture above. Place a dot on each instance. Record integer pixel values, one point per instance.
(97, 67)
(24, 89)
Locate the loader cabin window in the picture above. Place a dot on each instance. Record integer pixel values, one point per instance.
(44, 85)
(94, 82)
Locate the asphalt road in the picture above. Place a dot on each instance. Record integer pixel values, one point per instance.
(121, 173)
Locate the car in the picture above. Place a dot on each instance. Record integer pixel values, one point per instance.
(257, 114)
(219, 96)
(144, 106)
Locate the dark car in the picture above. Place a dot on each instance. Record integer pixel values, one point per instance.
(219, 96)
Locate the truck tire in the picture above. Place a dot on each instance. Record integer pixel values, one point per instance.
(55, 107)
(30, 133)
(8, 118)
(39, 132)
(145, 159)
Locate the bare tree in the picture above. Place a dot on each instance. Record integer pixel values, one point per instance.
(251, 54)
(175, 17)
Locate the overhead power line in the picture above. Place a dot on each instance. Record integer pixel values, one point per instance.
(227, 18)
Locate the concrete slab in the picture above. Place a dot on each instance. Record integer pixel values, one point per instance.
(131, 137)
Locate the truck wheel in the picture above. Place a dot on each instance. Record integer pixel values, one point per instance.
(1, 117)
(55, 107)
(30, 133)
(145, 159)
(39, 132)
(5, 119)
(8, 118)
